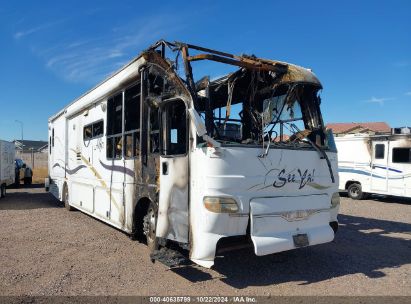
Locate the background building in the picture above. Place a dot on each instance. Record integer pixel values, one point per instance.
(32, 152)
(371, 128)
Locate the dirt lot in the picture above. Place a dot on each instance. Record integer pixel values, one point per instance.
(46, 250)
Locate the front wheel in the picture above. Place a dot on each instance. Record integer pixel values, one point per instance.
(149, 227)
(355, 191)
(2, 190)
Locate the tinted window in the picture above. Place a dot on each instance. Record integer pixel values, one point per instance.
(132, 108)
(401, 155)
(379, 151)
(87, 132)
(110, 150)
(98, 128)
(114, 114)
(115, 126)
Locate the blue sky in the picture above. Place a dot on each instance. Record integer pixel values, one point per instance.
(53, 51)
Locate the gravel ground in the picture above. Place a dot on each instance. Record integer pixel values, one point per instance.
(46, 250)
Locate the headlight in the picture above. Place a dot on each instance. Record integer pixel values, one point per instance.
(335, 200)
(220, 204)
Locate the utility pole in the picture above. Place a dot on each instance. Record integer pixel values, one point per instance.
(22, 126)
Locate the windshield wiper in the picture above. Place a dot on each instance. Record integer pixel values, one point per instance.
(320, 151)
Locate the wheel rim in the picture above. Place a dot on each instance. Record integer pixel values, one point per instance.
(150, 225)
(354, 191)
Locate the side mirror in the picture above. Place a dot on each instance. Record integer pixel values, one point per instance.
(201, 129)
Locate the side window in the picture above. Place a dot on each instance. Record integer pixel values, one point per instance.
(114, 126)
(154, 131)
(87, 132)
(174, 126)
(50, 144)
(401, 155)
(52, 138)
(93, 130)
(98, 129)
(379, 151)
(132, 121)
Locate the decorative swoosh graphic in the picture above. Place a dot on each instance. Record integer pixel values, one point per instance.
(103, 184)
(367, 173)
(70, 171)
(387, 168)
(121, 169)
(351, 164)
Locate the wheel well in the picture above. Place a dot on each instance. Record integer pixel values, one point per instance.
(140, 210)
(347, 184)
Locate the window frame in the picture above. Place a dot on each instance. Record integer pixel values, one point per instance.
(151, 132)
(401, 148)
(375, 151)
(164, 127)
(137, 131)
(102, 132)
(92, 130)
(123, 133)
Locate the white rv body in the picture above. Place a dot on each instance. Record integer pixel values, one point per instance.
(282, 199)
(7, 167)
(381, 164)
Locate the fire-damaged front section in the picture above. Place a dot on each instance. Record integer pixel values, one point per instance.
(244, 157)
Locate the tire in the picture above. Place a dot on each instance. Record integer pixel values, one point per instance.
(2, 191)
(334, 226)
(149, 227)
(355, 191)
(66, 199)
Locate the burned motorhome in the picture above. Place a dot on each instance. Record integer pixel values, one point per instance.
(202, 162)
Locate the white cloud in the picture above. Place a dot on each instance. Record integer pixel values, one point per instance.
(20, 34)
(379, 101)
(90, 60)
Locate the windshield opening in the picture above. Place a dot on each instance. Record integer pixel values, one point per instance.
(257, 101)
(247, 107)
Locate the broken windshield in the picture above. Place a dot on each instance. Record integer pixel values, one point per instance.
(249, 107)
(258, 101)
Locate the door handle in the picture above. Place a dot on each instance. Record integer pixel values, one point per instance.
(164, 168)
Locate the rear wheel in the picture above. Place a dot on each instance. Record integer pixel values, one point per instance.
(3, 190)
(66, 199)
(355, 191)
(149, 226)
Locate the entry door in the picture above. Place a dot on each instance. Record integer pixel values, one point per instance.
(173, 199)
(379, 166)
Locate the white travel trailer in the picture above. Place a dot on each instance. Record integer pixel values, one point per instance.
(7, 168)
(378, 164)
(243, 158)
